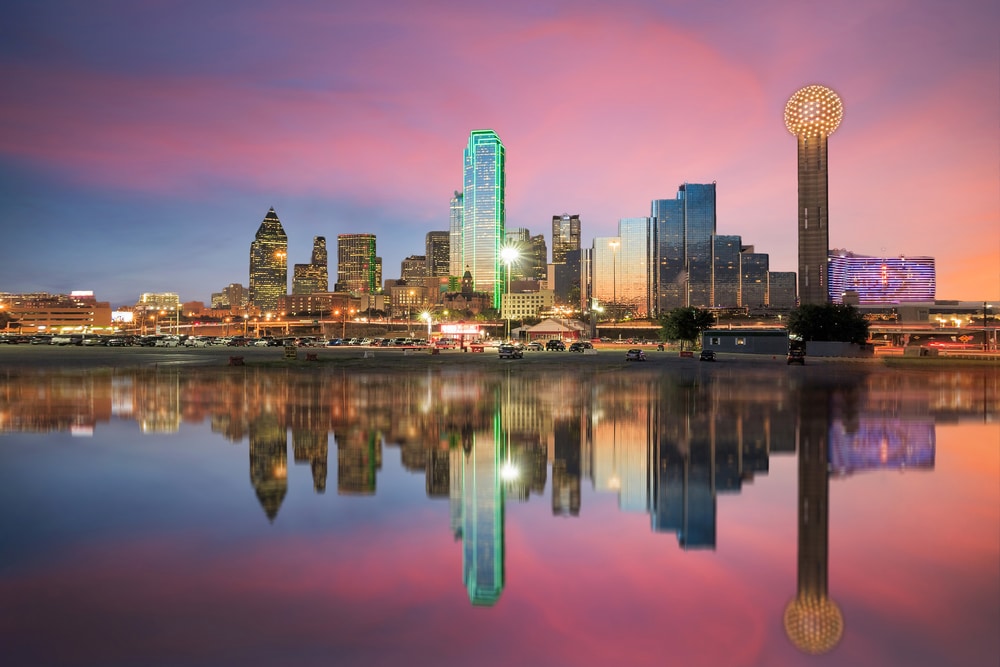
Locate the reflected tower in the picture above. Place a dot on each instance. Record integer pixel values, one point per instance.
(812, 115)
(483, 514)
(813, 621)
(269, 463)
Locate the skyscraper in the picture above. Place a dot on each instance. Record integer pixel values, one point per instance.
(312, 277)
(268, 264)
(438, 252)
(413, 270)
(358, 269)
(455, 212)
(484, 211)
(753, 278)
(726, 270)
(812, 115)
(565, 236)
(682, 247)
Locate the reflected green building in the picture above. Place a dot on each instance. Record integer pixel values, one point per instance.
(483, 515)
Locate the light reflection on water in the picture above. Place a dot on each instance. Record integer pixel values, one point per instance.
(631, 518)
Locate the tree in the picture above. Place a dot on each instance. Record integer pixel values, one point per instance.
(685, 324)
(828, 322)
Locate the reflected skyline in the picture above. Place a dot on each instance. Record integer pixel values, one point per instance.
(665, 446)
(693, 452)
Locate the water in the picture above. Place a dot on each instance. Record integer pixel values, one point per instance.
(828, 515)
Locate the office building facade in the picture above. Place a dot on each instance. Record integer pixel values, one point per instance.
(268, 264)
(484, 211)
(881, 279)
(437, 250)
(565, 236)
(456, 212)
(314, 276)
(358, 268)
(682, 247)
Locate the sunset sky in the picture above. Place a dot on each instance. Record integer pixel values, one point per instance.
(142, 143)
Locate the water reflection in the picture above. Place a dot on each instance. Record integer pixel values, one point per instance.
(663, 446)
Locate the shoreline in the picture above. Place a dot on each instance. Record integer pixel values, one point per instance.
(390, 359)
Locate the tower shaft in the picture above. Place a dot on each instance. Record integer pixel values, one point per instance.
(814, 233)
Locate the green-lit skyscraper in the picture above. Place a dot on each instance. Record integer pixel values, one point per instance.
(484, 212)
(268, 264)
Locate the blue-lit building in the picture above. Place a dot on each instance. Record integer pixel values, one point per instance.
(880, 280)
(682, 242)
(484, 212)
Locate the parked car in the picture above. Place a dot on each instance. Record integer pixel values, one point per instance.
(635, 354)
(580, 346)
(508, 351)
(797, 357)
(556, 344)
(534, 346)
(707, 355)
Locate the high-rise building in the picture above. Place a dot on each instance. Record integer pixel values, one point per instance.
(484, 211)
(565, 236)
(881, 279)
(455, 216)
(358, 268)
(438, 252)
(682, 247)
(726, 270)
(413, 270)
(536, 268)
(620, 276)
(812, 115)
(312, 277)
(268, 264)
(753, 278)
(781, 290)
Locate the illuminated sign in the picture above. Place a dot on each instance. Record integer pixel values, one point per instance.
(460, 329)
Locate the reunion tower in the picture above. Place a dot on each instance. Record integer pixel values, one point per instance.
(812, 115)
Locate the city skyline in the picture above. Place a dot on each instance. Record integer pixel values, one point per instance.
(182, 133)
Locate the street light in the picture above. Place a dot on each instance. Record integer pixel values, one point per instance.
(427, 316)
(508, 255)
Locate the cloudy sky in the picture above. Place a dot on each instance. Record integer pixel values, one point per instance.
(142, 143)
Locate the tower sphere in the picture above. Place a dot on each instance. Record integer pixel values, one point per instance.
(814, 624)
(813, 111)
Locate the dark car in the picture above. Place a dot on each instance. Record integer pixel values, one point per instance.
(508, 351)
(556, 345)
(797, 357)
(580, 346)
(635, 354)
(707, 355)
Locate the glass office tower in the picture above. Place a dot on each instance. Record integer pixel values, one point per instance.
(726, 271)
(682, 237)
(268, 264)
(484, 212)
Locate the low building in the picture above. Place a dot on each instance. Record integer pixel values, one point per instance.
(525, 305)
(746, 341)
(78, 312)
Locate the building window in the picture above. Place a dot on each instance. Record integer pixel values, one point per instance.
(714, 341)
(740, 340)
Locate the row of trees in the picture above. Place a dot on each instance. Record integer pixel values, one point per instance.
(819, 322)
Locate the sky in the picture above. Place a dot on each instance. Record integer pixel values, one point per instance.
(142, 143)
